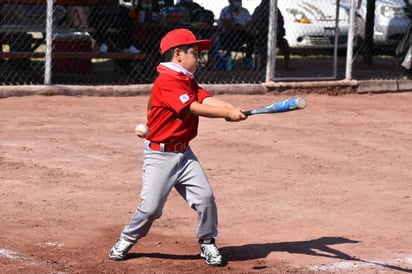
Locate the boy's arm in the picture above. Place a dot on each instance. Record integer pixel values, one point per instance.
(213, 101)
(213, 111)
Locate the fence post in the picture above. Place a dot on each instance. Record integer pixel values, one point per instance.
(48, 55)
(336, 43)
(271, 54)
(349, 50)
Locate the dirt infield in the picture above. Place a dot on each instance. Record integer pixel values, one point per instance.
(325, 189)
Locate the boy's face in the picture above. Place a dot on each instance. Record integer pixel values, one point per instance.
(190, 59)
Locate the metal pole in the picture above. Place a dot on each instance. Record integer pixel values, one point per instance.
(48, 55)
(337, 34)
(351, 35)
(271, 54)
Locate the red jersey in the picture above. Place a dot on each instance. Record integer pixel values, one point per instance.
(169, 116)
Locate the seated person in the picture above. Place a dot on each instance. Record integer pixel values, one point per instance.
(260, 24)
(146, 14)
(108, 14)
(188, 4)
(233, 29)
(198, 16)
(147, 28)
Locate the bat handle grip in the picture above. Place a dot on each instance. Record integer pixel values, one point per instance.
(247, 112)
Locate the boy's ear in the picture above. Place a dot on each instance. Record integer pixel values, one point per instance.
(178, 51)
(177, 54)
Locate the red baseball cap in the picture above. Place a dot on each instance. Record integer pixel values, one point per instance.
(180, 37)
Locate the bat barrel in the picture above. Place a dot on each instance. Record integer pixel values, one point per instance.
(280, 106)
(289, 104)
(301, 102)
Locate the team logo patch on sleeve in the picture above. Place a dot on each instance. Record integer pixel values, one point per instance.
(184, 98)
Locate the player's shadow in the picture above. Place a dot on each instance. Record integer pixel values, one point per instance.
(317, 247)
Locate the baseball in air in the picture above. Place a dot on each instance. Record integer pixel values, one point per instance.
(141, 130)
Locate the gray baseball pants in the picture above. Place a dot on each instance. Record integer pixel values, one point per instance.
(164, 171)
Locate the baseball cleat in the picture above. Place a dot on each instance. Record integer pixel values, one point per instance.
(120, 249)
(210, 253)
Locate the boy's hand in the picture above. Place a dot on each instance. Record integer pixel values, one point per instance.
(235, 115)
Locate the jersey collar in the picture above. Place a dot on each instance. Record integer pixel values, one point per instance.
(178, 68)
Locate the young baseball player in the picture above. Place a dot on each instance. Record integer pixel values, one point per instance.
(174, 108)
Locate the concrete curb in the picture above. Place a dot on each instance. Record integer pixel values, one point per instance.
(384, 86)
(318, 87)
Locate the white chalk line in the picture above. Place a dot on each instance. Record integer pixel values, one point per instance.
(9, 254)
(12, 255)
(51, 244)
(396, 264)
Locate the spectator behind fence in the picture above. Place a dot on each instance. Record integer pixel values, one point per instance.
(233, 30)
(189, 5)
(260, 24)
(198, 16)
(106, 15)
(146, 18)
(146, 14)
(407, 4)
(404, 48)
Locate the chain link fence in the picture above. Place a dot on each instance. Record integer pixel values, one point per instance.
(114, 42)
